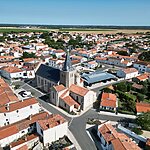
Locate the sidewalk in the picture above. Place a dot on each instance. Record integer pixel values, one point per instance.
(119, 115)
(66, 113)
(73, 140)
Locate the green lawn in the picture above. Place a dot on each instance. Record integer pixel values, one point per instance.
(84, 29)
(9, 30)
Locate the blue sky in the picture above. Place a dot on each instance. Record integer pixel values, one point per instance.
(76, 12)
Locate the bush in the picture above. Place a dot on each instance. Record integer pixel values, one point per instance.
(17, 86)
(137, 131)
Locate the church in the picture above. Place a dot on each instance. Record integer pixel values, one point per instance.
(65, 87)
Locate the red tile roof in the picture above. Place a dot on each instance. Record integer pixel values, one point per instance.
(12, 69)
(59, 88)
(108, 100)
(70, 101)
(143, 77)
(78, 90)
(119, 140)
(130, 70)
(8, 131)
(21, 141)
(18, 105)
(24, 147)
(14, 128)
(142, 107)
(55, 120)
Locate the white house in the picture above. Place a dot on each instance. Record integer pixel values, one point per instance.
(13, 112)
(142, 66)
(51, 129)
(127, 73)
(91, 64)
(110, 139)
(14, 131)
(73, 98)
(12, 72)
(58, 53)
(109, 101)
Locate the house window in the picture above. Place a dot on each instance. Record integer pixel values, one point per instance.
(65, 104)
(41, 131)
(31, 106)
(6, 119)
(17, 111)
(8, 122)
(4, 114)
(22, 131)
(77, 98)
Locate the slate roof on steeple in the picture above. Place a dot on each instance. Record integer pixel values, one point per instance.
(67, 64)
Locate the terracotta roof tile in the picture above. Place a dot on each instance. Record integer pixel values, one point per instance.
(108, 100)
(142, 107)
(12, 69)
(70, 101)
(55, 120)
(59, 88)
(14, 128)
(18, 105)
(130, 70)
(24, 147)
(78, 90)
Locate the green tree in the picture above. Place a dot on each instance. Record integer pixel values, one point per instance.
(124, 53)
(122, 86)
(143, 120)
(28, 55)
(140, 97)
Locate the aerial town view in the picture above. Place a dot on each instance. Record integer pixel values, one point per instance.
(75, 75)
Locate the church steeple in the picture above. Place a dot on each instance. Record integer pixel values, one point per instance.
(67, 64)
(67, 74)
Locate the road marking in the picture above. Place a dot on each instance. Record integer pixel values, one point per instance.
(70, 122)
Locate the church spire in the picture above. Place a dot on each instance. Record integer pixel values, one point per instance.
(67, 64)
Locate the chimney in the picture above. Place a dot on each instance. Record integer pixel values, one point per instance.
(7, 106)
(30, 117)
(25, 138)
(47, 125)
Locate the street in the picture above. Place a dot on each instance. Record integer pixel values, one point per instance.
(77, 125)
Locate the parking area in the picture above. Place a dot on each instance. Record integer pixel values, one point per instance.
(22, 93)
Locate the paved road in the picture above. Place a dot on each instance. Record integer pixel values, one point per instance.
(78, 128)
(77, 125)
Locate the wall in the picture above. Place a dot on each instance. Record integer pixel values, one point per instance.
(22, 113)
(55, 133)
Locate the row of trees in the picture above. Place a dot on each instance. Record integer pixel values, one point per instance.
(144, 56)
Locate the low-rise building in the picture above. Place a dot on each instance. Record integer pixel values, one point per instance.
(13, 112)
(110, 139)
(142, 66)
(14, 131)
(127, 73)
(109, 101)
(12, 72)
(142, 107)
(51, 129)
(72, 98)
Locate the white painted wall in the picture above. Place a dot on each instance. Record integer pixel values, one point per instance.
(22, 113)
(12, 75)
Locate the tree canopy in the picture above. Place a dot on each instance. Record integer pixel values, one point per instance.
(144, 56)
(28, 55)
(143, 120)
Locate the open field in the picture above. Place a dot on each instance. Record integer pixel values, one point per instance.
(104, 31)
(71, 30)
(17, 30)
